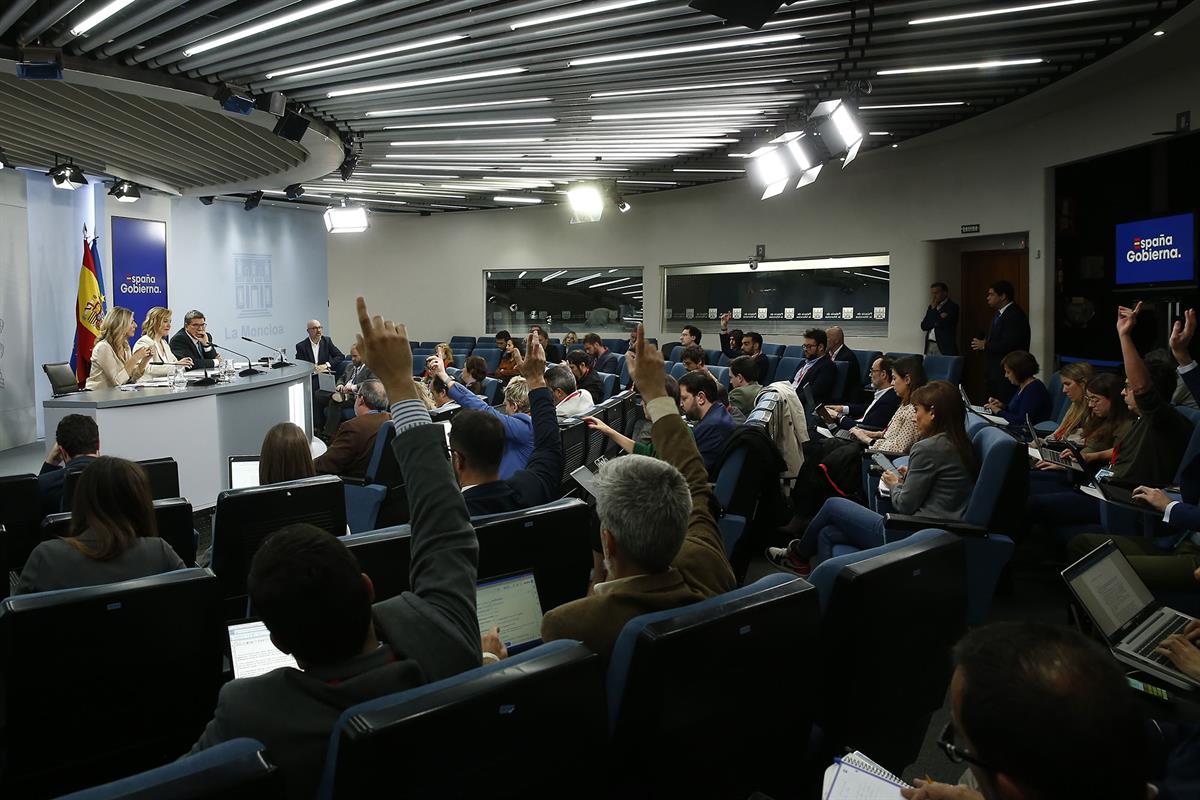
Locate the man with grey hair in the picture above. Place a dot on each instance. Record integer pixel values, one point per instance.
(569, 401)
(839, 351)
(350, 452)
(193, 341)
(660, 541)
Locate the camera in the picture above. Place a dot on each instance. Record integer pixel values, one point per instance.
(753, 263)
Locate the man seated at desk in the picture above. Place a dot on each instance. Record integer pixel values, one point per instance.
(319, 350)
(193, 341)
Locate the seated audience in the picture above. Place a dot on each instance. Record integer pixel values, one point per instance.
(319, 349)
(569, 338)
(731, 340)
(317, 604)
(883, 405)
(1040, 713)
(937, 483)
(1107, 422)
(510, 358)
(193, 341)
(642, 442)
(752, 343)
(817, 371)
(690, 335)
(439, 393)
(477, 446)
(113, 536)
(908, 375)
(350, 451)
(76, 444)
(473, 373)
(840, 351)
(352, 373)
(553, 351)
(1031, 398)
(743, 380)
(156, 328)
(1075, 378)
(601, 359)
(444, 352)
(692, 357)
(699, 397)
(658, 535)
(113, 363)
(586, 379)
(569, 401)
(518, 427)
(286, 455)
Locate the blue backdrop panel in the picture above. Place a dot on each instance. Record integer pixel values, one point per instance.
(139, 268)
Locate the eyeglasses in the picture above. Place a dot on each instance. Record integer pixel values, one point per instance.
(955, 753)
(316, 328)
(879, 372)
(808, 347)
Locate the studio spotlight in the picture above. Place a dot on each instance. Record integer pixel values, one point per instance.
(40, 64)
(346, 218)
(253, 200)
(772, 170)
(621, 204)
(294, 192)
(291, 126)
(346, 170)
(234, 101)
(207, 199)
(751, 13)
(67, 176)
(835, 131)
(587, 203)
(125, 192)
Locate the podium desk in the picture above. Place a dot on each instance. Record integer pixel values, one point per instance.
(200, 427)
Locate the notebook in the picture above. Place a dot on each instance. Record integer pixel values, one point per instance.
(856, 777)
(510, 602)
(252, 652)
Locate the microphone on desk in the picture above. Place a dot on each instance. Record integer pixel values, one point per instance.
(282, 362)
(205, 381)
(249, 370)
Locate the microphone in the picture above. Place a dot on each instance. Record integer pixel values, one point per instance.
(205, 381)
(282, 362)
(249, 370)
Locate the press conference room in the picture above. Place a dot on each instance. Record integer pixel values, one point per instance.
(747, 399)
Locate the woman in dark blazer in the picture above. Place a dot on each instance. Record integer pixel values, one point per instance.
(1032, 398)
(113, 534)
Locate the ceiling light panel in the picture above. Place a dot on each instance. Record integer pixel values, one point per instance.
(475, 123)
(578, 10)
(371, 88)
(316, 66)
(700, 47)
(992, 12)
(308, 10)
(978, 65)
(396, 112)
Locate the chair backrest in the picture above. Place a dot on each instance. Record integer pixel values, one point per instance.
(727, 478)
(362, 506)
(676, 353)
(614, 413)
(773, 368)
(721, 374)
(383, 441)
(234, 770)
(547, 703)
(712, 357)
(1192, 414)
(1058, 401)
(794, 351)
(786, 370)
(20, 514)
(552, 540)
(485, 341)
(914, 589)
(843, 374)
(677, 676)
(163, 474)
(996, 452)
(575, 346)
(62, 377)
(864, 366)
(944, 368)
(490, 356)
(678, 370)
(623, 372)
(616, 345)
(172, 516)
(246, 517)
(574, 435)
(105, 681)
(776, 350)
(975, 424)
(1193, 449)
(493, 391)
(610, 382)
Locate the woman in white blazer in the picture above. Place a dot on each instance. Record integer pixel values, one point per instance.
(156, 332)
(113, 363)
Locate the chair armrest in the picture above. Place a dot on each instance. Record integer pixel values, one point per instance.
(909, 522)
(350, 481)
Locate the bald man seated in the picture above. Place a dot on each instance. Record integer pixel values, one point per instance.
(319, 349)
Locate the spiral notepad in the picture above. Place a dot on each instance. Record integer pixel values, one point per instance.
(856, 777)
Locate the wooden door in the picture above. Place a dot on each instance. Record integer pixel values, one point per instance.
(979, 271)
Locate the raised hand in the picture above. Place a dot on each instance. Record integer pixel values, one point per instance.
(647, 369)
(1127, 319)
(533, 368)
(436, 367)
(1181, 337)
(384, 347)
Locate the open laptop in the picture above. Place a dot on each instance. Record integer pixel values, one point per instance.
(243, 471)
(982, 411)
(1051, 453)
(446, 426)
(585, 476)
(1123, 496)
(251, 651)
(1126, 613)
(510, 602)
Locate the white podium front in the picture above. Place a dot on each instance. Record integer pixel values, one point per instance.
(198, 427)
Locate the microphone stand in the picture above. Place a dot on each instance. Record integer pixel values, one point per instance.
(282, 362)
(249, 370)
(205, 381)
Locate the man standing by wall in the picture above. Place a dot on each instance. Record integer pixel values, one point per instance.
(941, 322)
(1009, 331)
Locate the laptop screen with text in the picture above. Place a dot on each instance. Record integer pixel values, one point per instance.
(1110, 589)
(252, 652)
(510, 603)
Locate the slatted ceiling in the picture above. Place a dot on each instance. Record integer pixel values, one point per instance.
(840, 41)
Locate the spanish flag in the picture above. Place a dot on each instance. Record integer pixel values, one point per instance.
(89, 313)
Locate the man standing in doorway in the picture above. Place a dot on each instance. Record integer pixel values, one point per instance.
(941, 322)
(1009, 331)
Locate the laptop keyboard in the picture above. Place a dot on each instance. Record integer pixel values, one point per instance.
(1054, 458)
(1173, 624)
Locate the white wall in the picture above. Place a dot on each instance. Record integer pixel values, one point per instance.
(16, 328)
(993, 170)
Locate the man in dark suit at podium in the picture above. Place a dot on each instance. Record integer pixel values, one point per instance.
(193, 341)
(1009, 331)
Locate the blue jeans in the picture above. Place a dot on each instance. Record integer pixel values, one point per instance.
(841, 521)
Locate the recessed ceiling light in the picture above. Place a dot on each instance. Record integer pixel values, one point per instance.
(574, 281)
(652, 183)
(710, 170)
(440, 142)
(710, 112)
(380, 200)
(554, 275)
(95, 19)
(599, 8)
(395, 112)
(991, 12)
(386, 51)
(1160, 33)
(879, 133)
(253, 30)
(693, 88)
(912, 105)
(474, 123)
(723, 44)
(387, 87)
(1017, 62)
(510, 199)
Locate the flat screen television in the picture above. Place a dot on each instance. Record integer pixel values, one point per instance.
(1156, 252)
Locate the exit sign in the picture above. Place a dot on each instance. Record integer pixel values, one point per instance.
(970, 228)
